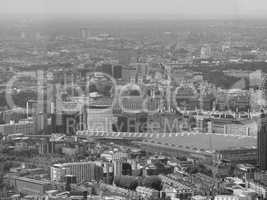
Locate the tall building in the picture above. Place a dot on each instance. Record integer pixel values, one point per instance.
(134, 71)
(262, 142)
(264, 90)
(65, 122)
(84, 33)
(205, 52)
(38, 109)
(129, 73)
(118, 159)
(99, 118)
(117, 71)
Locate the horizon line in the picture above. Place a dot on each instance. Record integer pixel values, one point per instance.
(150, 16)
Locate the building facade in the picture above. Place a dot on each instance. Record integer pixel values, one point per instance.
(262, 142)
(84, 171)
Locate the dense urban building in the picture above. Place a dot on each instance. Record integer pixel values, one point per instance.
(148, 107)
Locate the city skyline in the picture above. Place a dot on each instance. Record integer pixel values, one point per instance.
(133, 100)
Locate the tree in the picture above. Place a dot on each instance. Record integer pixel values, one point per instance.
(107, 90)
(7, 166)
(134, 93)
(153, 182)
(192, 170)
(127, 182)
(181, 158)
(92, 88)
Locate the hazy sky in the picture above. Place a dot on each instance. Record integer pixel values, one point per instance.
(149, 7)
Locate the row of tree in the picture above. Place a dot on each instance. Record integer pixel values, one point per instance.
(131, 182)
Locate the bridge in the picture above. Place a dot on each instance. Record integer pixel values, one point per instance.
(136, 135)
(133, 135)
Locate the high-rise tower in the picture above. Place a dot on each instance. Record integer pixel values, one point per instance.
(262, 141)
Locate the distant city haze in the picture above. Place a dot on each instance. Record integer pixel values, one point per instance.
(186, 8)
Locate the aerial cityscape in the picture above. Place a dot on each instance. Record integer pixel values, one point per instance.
(133, 107)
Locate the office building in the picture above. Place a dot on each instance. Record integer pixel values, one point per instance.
(30, 186)
(15, 114)
(230, 126)
(46, 147)
(239, 155)
(264, 89)
(37, 109)
(207, 102)
(141, 68)
(259, 188)
(134, 71)
(65, 122)
(205, 52)
(202, 123)
(84, 171)
(262, 142)
(129, 73)
(118, 159)
(23, 127)
(99, 118)
(117, 71)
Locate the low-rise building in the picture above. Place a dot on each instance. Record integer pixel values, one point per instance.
(30, 186)
(226, 197)
(244, 155)
(205, 183)
(259, 188)
(229, 126)
(181, 190)
(177, 194)
(24, 127)
(84, 171)
(147, 192)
